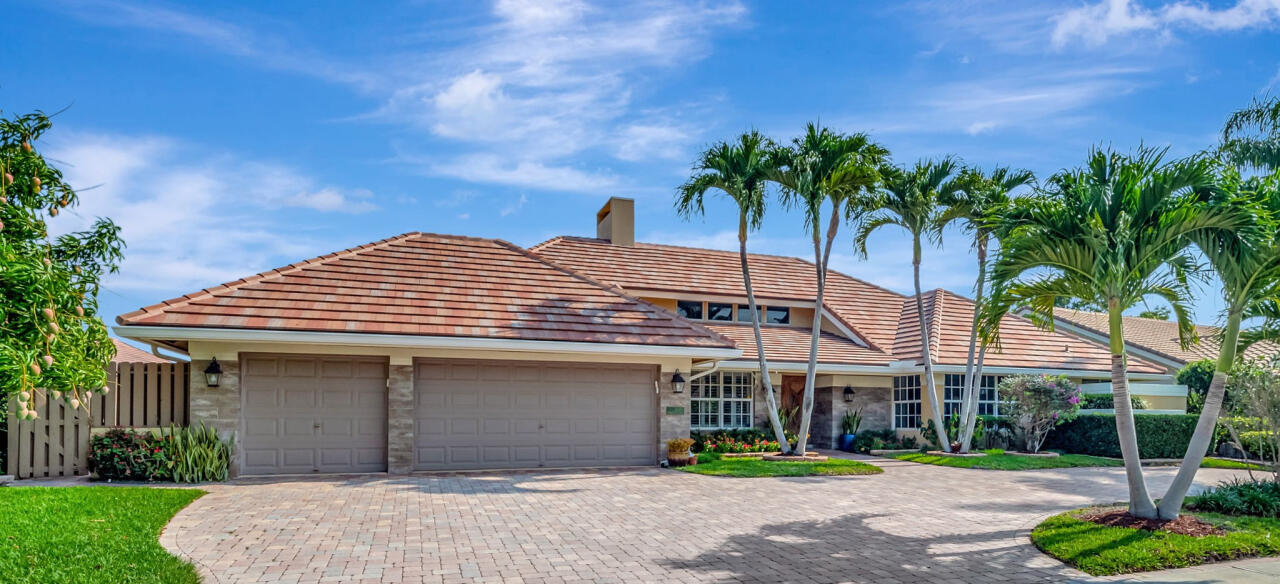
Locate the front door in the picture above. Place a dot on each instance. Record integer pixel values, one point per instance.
(792, 398)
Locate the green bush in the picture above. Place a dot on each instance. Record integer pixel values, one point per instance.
(196, 454)
(1104, 401)
(1255, 498)
(1197, 376)
(746, 435)
(121, 454)
(1159, 435)
(869, 440)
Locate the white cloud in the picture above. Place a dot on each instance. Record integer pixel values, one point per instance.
(648, 141)
(491, 168)
(1096, 24)
(513, 207)
(219, 208)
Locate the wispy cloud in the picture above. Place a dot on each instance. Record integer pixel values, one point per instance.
(1096, 24)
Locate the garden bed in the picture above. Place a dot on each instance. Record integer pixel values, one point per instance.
(957, 454)
(1033, 454)
(893, 451)
(710, 463)
(808, 457)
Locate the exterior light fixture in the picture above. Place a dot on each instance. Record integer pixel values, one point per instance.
(213, 373)
(848, 394)
(677, 382)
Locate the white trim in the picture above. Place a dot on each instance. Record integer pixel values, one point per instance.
(823, 368)
(909, 367)
(857, 339)
(1068, 372)
(144, 333)
(1152, 389)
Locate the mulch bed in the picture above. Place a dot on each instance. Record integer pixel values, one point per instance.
(1183, 525)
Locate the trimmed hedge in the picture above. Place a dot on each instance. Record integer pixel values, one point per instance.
(1159, 435)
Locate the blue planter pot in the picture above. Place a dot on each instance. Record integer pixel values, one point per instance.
(846, 442)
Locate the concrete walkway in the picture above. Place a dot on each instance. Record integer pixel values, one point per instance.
(914, 523)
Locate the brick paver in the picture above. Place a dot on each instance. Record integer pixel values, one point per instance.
(914, 523)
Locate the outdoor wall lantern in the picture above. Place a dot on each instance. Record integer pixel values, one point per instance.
(848, 394)
(213, 373)
(677, 382)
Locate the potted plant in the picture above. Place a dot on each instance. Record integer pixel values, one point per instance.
(678, 451)
(849, 426)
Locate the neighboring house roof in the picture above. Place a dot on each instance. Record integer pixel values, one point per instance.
(1160, 336)
(126, 353)
(886, 320)
(431, 285)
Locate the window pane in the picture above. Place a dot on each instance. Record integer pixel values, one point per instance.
(689, 310)
(744, 312)
(719, 311)
(777, 315)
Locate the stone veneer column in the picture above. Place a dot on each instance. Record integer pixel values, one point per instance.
(218, 407)
(671, 425)
(400, 419)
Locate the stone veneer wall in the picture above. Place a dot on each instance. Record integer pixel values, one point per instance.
(822, 426)
(218, 407)
(671, 425)
(876, 404)
(400, 419)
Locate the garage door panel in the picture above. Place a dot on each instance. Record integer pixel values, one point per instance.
(305, 414)
(478, 414)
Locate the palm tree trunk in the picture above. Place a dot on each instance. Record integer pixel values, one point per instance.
(1140, 504)
(1171, 504)
(967, 397)
(944, 443)
(810, 374)
(971, 422)
(765, 381)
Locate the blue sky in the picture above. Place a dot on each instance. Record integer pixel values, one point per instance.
(234, 138)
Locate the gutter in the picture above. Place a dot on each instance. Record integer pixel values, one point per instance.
(147, 334)
(714, 367)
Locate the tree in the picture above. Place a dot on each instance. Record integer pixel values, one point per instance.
(1247, 263)
(977, 202)
(909, 199)
(51, 338)
(1081, 305)
(739, 170)
(1115, 232)
(1197, 376)
(1156, 313)
(825, 168)
(1036, 404)
(1251, 136)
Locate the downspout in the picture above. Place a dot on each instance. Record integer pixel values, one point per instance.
(155, 350)
(713, 369)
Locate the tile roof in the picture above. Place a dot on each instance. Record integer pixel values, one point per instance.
(1161, 336)
(426, 284)
(126, 353)
(789, 344)
(886, 320)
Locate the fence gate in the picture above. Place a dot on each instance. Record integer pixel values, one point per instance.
(142, 395)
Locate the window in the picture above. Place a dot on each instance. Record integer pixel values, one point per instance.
(777, 315)
(719, 311)
(953, 390)
(689, 310)
(906, 401)
(744, 313)
(721, 400)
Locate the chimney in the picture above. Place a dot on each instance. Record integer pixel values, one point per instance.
(616, 221)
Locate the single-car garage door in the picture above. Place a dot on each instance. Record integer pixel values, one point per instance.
(489, 414)
(305, 414)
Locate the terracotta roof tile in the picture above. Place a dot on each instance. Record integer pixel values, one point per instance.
(790, 344)
(424, 284)
(1161, 336)
(126, 353)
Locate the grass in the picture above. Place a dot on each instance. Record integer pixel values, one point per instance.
(998, 460)
(710, 463)
(1101, 550)
(89, 534)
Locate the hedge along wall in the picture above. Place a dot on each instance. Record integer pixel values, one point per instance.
(1159, 435)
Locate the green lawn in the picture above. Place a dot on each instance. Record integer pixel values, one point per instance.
(1103, 550)
(713, 464)
(89, 534)
(1001, 461)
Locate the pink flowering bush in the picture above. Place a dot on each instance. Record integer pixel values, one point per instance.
(1036, 404)
(729, 445)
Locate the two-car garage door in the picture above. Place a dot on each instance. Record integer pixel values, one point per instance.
(306, 414)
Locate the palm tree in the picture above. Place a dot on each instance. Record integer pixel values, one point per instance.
(909, 200)
(1251, 136)
(977, 202)
(819, 168)
(1113, 232)
(1247, 263)
(739, 170)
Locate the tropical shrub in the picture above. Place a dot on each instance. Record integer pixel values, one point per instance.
(1240, 497)
(1197, 376)
(1254, 392)
(1159, 435)
(1038, 404)
(195, 454)
(124, 455)
(700, 438)
(1105, 401)
(851, 421)
(729, 445)
(993, 432)
(930, 432)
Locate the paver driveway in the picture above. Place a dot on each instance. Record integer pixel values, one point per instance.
(914, 523)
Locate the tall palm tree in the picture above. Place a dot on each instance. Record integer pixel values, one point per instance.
(977, 202)
(1251, 136)
(1113, 232)
(825, 168)
(739, 170)
(1247, 263)
(909, 199)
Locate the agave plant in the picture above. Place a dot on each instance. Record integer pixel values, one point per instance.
(197, 454)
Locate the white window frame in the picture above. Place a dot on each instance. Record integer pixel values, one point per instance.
(953, 389)
(906, 402)
(726, 396)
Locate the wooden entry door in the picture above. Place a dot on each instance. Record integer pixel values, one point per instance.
(792, 398)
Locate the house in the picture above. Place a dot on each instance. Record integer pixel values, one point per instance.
(438, 352)
(126, 353)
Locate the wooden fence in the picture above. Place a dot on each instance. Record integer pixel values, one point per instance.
(142, 395)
